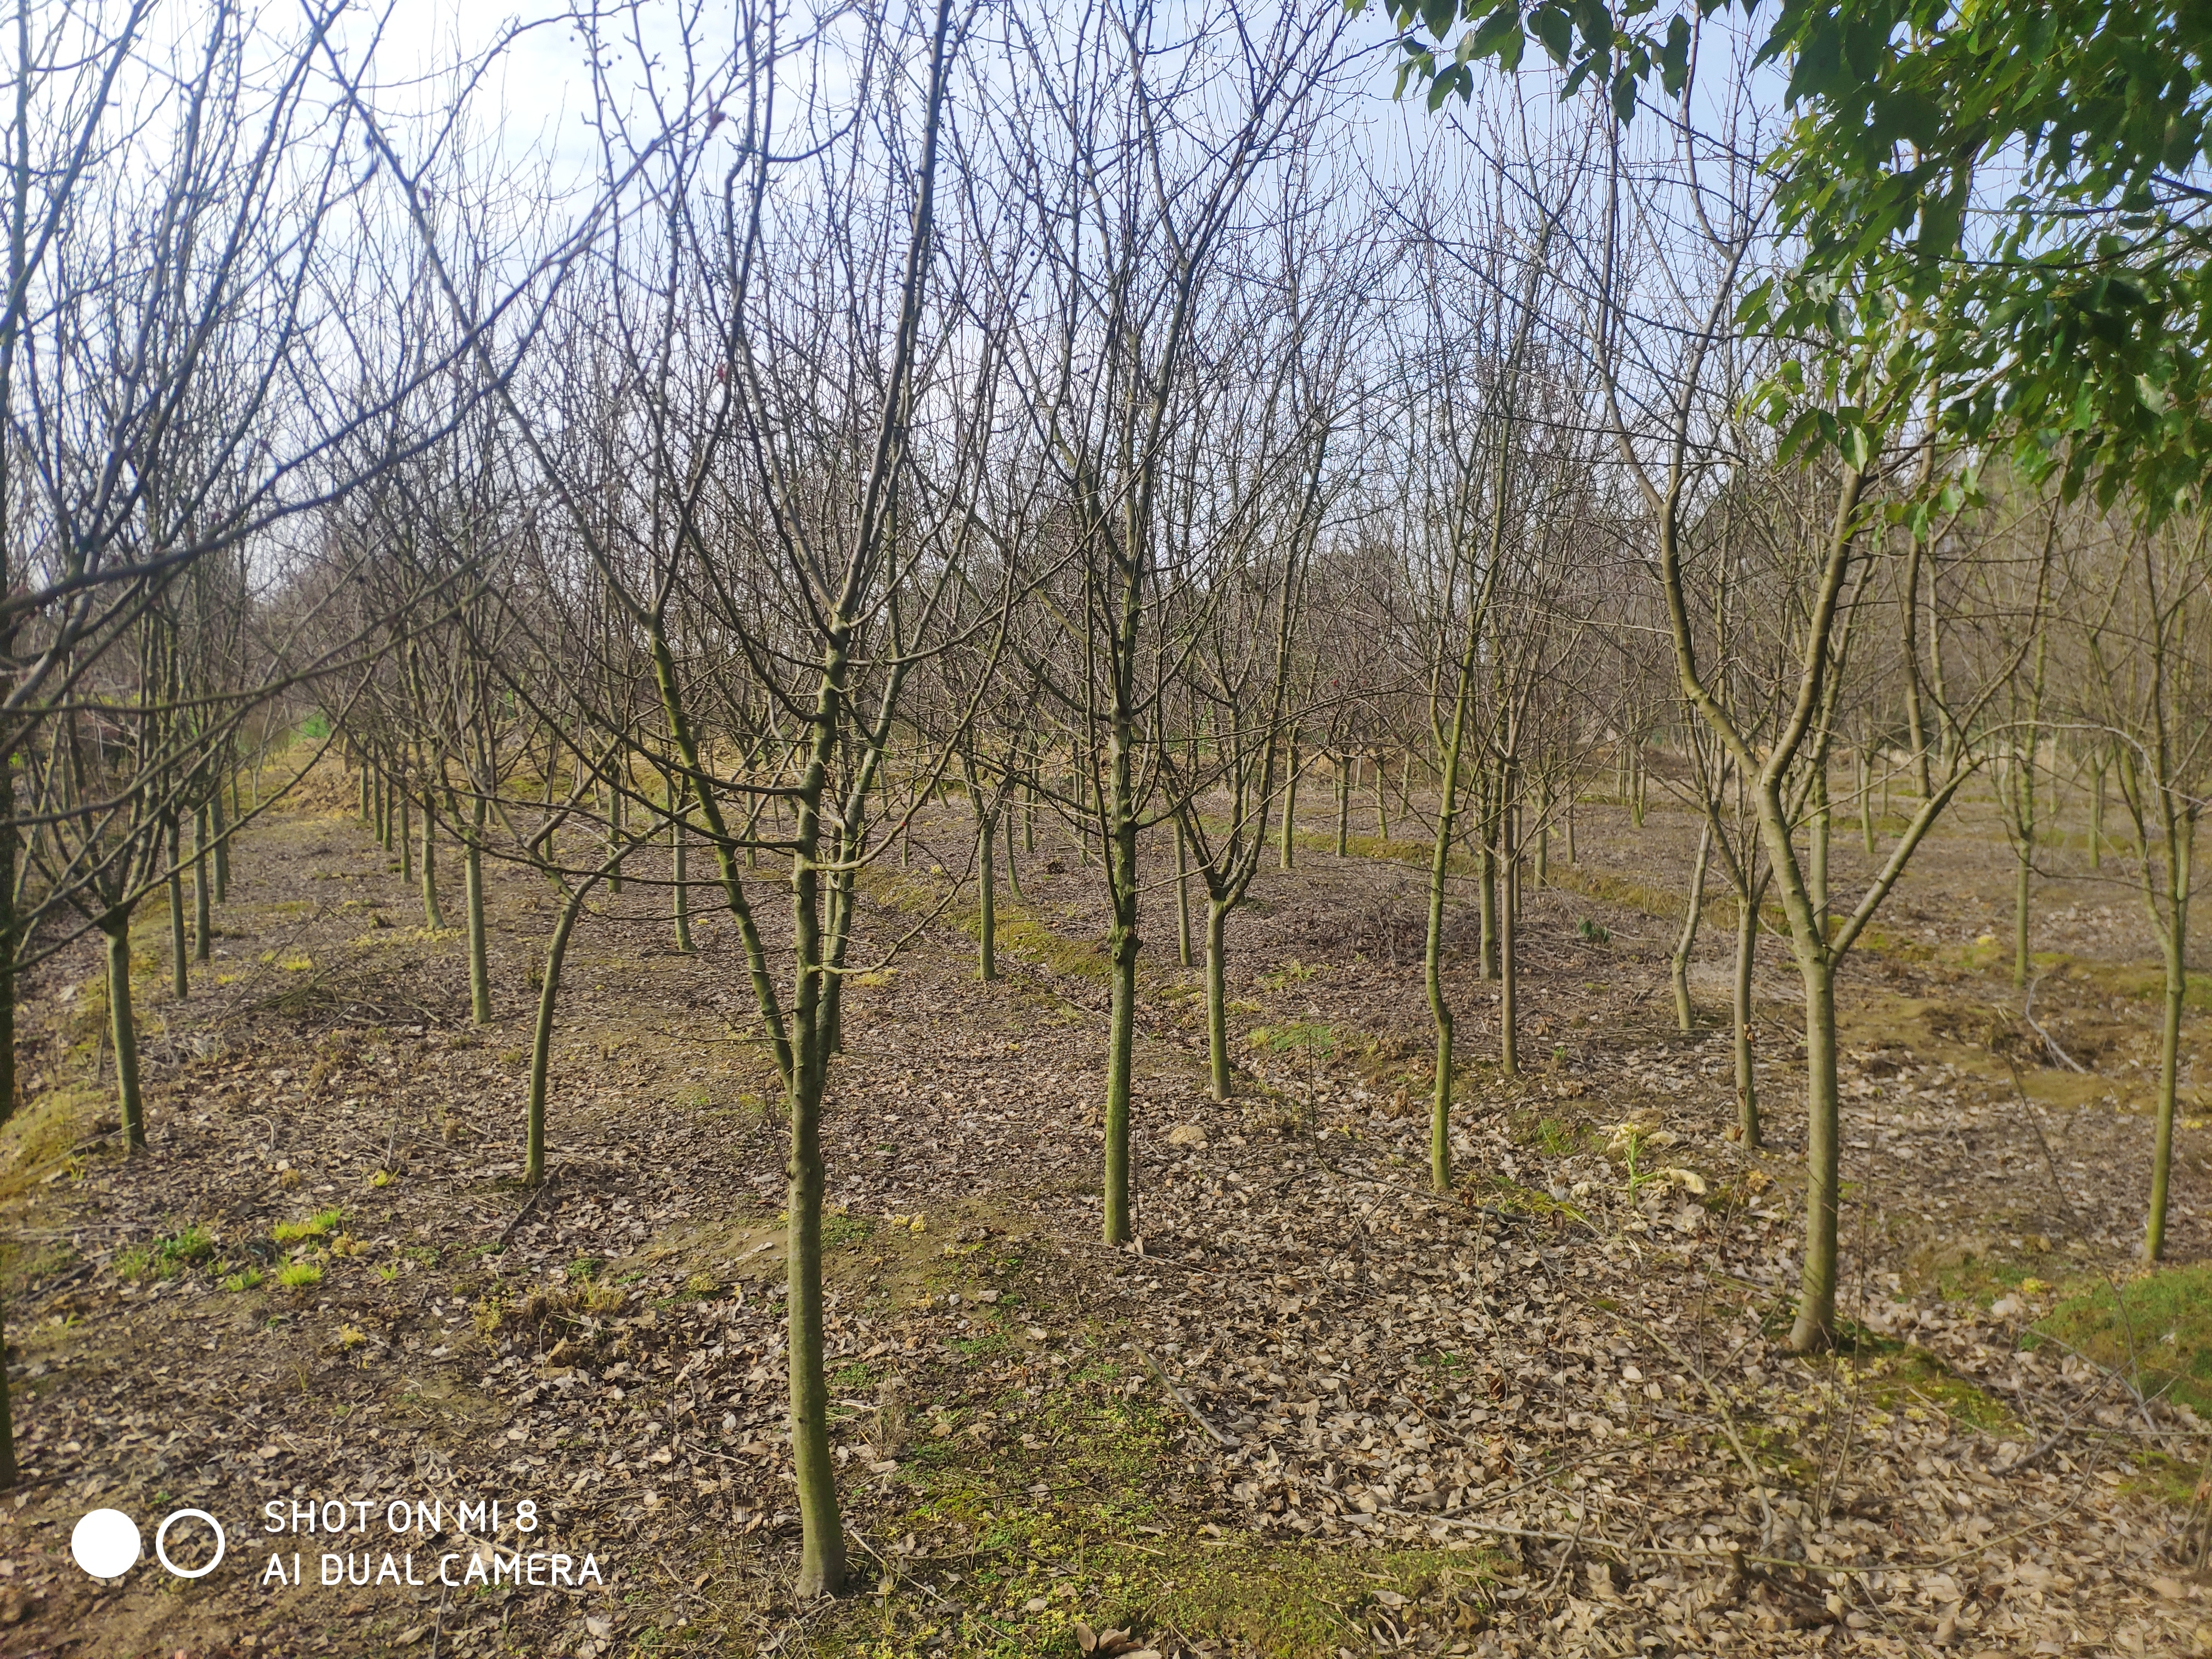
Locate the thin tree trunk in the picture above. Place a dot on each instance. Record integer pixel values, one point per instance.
(179, 948)
(679, 860)
(1123, 1020)
(1013, 869)
(2097, 817)
(1382, 800)
(1487, 901)
(406, 838)
(123, 1029)
(1571, 856)
(9, 855)
(1343, 805)
(220, 827)
(433, 916)
(1544, 836)
(616, 815)
(1866, 800)
(1747, 956)
(1286, 853)
(987, 920)
(1509, 968)
(541, 1042)
(2176, 944)
(1182, 895)
(1685, 1016)
(1817, 872)
(1217, 997)
(203, 901)
(1815, 1325)
(479, 954)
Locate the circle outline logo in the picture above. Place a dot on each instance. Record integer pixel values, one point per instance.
(163, 1532)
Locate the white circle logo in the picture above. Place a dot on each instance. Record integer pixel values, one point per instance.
(163, 1532)
(106, 1543)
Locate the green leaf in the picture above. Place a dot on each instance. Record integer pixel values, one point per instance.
(1551, 24)
(1675, 56)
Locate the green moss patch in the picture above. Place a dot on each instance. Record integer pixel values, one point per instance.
(2157, 1331)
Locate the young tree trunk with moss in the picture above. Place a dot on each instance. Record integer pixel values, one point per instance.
(679, 871)
(1679, 964)
(433, 916)
(1288, 854)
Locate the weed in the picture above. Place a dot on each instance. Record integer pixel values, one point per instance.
(1596, 932)
(1558, 1139)
(246, 1278)
(165, 1258)
(300, 1232)
(299, 1275)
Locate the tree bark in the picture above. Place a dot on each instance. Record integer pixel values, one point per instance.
(203, 906)
(679, 857)
(433, 917)
(987, 919)
(1747, 956)
(179, 951)
(1182, 897)
(2176, 949)
(1216, 998)
(472, 879)
(1685, 1016)
(122, 1029)
(1815, 1325)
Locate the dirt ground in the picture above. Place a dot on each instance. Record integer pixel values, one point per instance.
(1317, 1410)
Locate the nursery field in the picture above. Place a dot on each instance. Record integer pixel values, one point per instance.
(1314, 1408)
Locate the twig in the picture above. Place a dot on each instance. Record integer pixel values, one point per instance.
(523, 1214)
(1181, 1399)
(438, 1634)
(2027, 1013)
